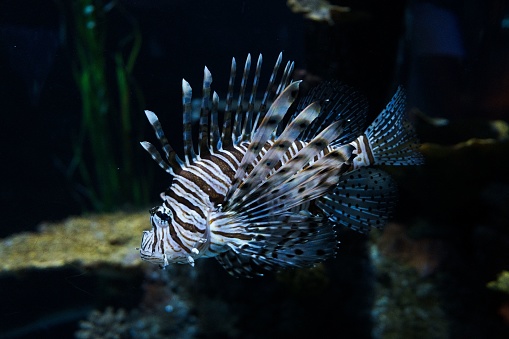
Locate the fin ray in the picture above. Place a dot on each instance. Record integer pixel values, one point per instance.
(392, 139)
(226, 138)
(288, 240)
(204, 149)
(339, 102)
(238, 115)
(306, 185)
(189, 154)
(299, 161)
(281, 145)
(248, 123)
(173, 159)
(276, 112)
(362, 199)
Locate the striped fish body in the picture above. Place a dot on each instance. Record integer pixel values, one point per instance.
(263, 194)
(194, 202)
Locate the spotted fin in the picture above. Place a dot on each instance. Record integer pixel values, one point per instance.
(391, 137)
(275, 236)
(362, 199)
(339, 102)
(304, 242)
(239, 265)
(286, 240)
(305, 185)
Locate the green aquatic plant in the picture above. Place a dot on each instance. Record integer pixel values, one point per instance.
(103, 149)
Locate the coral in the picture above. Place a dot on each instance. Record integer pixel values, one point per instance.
(104, 325)
(406, 304)
(88, 241)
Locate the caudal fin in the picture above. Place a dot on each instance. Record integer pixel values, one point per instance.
(392, 139)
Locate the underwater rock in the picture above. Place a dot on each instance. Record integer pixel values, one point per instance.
(87, 241)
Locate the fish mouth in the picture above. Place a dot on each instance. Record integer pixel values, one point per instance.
(159, 256)
(152, 258)
(147, 252)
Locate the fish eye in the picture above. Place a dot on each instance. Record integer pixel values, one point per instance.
(164, 216)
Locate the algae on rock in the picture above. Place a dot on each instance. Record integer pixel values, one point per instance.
(103, 239)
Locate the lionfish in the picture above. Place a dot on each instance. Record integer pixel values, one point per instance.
(266, 191)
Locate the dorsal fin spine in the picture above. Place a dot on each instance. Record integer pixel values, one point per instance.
(285, 77)
(238, 115)
(263, 105)
(204, 113)
(226, 137)
(272, 79)
(215, 139)
(281, 145)
(157, 156)
(171, 156)
(189, 154)
(248, 123)
(273, 117)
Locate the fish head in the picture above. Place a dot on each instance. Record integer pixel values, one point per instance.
(157, 245)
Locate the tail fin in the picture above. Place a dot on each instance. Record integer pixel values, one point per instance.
(390, 139)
